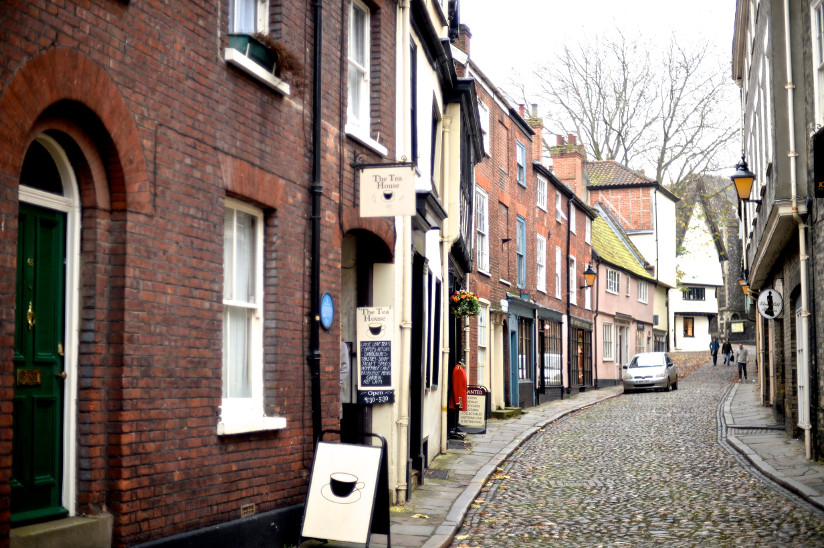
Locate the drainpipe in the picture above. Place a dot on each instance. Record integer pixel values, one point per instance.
(446, 245)
(803, 366)
(313, 355)
(402, 406)
(594, 302)
(569, 294)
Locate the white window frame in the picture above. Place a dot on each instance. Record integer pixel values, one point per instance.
(558, 272)
(572, 219)
(613, 281)
(588, 298)
(483, 114)
(608, 349)
(540, 261)
(360, 127)
(817, 35)
(482, 228)
(573, 281)
(245, 414)
(629, 285)
(588, 230)
(260, 17)
(541, 186)
(520, 160)
(483, 337)
(643, 291)
(559, 213)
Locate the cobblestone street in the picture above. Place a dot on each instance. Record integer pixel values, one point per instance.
(644, 469)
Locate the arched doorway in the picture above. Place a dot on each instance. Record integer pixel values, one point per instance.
(45, 341)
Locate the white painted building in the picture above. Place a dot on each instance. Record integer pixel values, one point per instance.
(694, 302)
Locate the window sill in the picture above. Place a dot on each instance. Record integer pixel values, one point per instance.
(506, 283)
(247, 425)
(244, 64)
(484, 273)
(365, 140)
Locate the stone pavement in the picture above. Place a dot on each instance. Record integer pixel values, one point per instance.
(455, 478)
(753, 432)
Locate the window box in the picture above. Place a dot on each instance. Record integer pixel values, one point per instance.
(255, 50)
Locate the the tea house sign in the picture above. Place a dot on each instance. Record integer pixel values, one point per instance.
(387, 190)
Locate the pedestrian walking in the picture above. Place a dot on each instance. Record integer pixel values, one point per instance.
(714, 351)
(726, 350)
(741, 356)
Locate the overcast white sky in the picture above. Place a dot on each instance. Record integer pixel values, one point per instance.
(523, 33)
(511, 38)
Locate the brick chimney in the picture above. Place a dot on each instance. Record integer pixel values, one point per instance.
(464, 36)
(568, 163)
(537, 125)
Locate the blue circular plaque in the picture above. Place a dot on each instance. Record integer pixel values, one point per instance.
(327, 310)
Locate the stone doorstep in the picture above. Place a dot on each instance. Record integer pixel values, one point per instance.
(76, 532)
(505, 413)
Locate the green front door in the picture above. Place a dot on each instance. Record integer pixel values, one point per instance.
(38, 366)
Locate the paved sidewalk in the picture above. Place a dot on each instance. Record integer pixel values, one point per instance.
(455, 478)
(753, 432)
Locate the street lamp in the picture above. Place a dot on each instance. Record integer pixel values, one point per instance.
(589, 277)
(743, 179)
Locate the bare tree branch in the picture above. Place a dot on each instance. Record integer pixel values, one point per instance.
(630, 104)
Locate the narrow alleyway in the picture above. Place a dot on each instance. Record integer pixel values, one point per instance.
(641, 469)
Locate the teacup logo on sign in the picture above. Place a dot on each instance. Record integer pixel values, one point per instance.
(343, 488)
(376, 321)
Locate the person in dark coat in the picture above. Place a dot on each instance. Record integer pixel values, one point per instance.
(714, 351)
(726, 350)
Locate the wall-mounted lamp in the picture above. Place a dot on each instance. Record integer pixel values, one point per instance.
(743, 179)
(589, 277)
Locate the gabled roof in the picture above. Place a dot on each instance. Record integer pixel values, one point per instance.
(614, 249)
(685, 215)
(609, 173)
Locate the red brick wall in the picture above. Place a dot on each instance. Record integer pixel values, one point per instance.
(164, 131)
(631, 206)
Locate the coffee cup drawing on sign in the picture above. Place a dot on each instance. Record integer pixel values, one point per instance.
(375, 328)
(343, 488)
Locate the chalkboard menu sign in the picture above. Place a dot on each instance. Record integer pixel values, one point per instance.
(375, 363)
(375, 330)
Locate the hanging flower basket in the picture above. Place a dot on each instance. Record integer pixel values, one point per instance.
(464, 303)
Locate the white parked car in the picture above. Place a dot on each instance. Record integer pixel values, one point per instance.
(650, 370)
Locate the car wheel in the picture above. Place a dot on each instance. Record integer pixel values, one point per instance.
(667, 389)
(675, 386)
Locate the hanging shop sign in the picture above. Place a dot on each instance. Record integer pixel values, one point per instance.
(387, 190)
(770, 303)
(375, 355)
